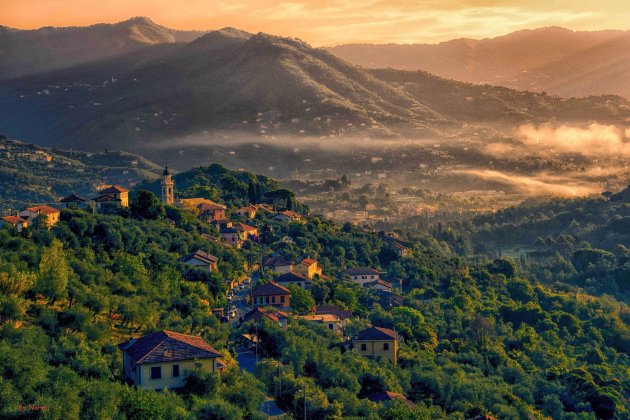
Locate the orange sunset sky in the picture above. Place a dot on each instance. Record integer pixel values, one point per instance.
(332, 22)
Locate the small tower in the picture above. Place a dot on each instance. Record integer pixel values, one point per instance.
(168, 193)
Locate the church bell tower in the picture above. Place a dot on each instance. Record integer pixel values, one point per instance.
(168, 186)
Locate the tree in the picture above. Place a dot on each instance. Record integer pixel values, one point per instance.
(301, 300)
(54, 272)
(146, 204)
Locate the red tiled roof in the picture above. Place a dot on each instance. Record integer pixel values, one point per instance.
(201, 256)
(275, 262)
(291, 277)
(106, 198)
(44, 209)
(164, 346)
(308, 261)
(258, 314)
(14, 220)
(245, 228)
(114, 189)
(271, 289)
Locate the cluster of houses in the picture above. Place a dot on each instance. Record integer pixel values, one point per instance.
(163, 359)
(113, 195)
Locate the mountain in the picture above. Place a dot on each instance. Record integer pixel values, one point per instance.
(555, 60)
(231, 85)
(30, 174)
(24, 52)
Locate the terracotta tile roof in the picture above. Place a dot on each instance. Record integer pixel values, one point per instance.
(308, 261)
(258, 314)
(320, 318)
(245, 228)
(72, 198)
(271, 289)
(114, 189)
(377, 333)
(362, 271)
(166, 346)
(378, 283)
(334, 309)
(106, 198)
(205, 207)
(292, 277)
(14, 220)
(275, 262)
(194, 202)
(43, 209)
(201, 256)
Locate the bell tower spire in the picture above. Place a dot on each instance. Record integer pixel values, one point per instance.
(168, 186)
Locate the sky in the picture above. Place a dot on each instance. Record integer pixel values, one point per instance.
(332, 22)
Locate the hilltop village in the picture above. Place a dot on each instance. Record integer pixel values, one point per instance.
(223, 292)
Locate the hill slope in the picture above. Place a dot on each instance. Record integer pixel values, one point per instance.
(260, 86)
(24, 52)
(554, 60)
(31, 174)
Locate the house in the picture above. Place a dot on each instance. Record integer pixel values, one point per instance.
(385, 396)
(400, 249)
(117, 192)
(17, 222)
(277, 264)
(297, 279)
(211, 212)
(247, 211)
(208, 210)
(106, 201)
(309, 267)
(258, 314)
(388, 299)
(163, 359)
(73, 201)
(377, 343)
(50, 214)
(201, 259)
(331, 321)
(342, 314)
(287, 216)
(272, 294)
(222, 223)
(379, 285)
(363, 275)
(248, 232)
(231, 236)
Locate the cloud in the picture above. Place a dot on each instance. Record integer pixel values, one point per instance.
(592, 141)
(541, 184)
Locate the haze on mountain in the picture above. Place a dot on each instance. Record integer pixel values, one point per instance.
(261, 86)
(553, 60)
(25, 52)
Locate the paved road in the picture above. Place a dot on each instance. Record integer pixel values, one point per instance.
(241, 304)
(247, 361)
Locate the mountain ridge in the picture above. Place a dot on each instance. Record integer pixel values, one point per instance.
(531, 59)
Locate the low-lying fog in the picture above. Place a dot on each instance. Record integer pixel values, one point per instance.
(532, 160)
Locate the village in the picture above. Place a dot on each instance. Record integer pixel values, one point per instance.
(162, 359)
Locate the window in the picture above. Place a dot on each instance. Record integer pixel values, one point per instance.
(266, 299)
(331, 326)
(273, 299)
(156, 372)
(282, 299)
(175, 371)
(363, 347)
(385, 346)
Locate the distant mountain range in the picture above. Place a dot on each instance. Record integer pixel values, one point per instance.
(24, 52)
(154, 92)
(554, 60)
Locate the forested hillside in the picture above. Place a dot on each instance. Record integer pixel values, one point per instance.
(30, 174)
(581, 241)
(477, 336)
